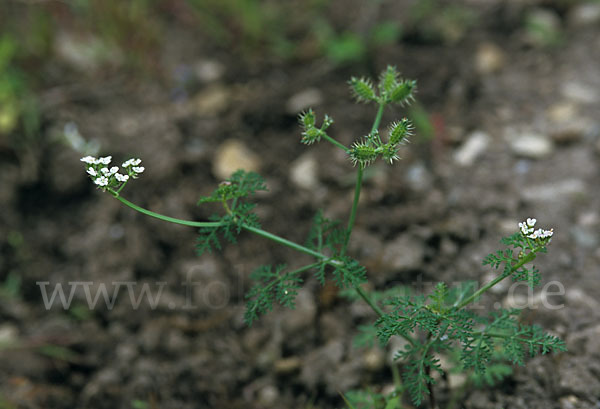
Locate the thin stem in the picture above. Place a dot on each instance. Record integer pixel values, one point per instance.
(166, 218)
(369, 301)
(291, 244)
(529, 257)
(352, 218)
(357, 187)
(336, 143)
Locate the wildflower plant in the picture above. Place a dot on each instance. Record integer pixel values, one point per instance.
(431, 325)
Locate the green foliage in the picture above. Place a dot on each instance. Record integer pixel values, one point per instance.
(311, 133)
(273, 285)
(325, 234)
(231, 195)
(432, 325)
(367, 399)
(445, 324)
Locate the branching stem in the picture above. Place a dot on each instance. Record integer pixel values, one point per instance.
(529, 257)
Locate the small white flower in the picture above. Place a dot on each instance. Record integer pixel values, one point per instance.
(89, 160)
(138, 169)
(531, 222)
(105, 160)
(92, 172)
(131, 162)
(114, 170)
(105, 171)
(122, 178)
(101, 181)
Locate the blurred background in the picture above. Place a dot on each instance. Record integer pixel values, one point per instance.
(507, 127)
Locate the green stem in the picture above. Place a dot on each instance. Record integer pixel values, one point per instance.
(166, 218)
(291, 244)
(352, 218)
(357, 187)
(369, 301)
(529, 257)
(336, 143)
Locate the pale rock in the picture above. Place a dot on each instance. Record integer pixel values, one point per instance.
(212, 101)
(567, 126)
(403, 253)
(209, 70)
(303, 100)
(585, 14)
(569, 402)
(489, 58)
(576, 297)
(9, 334)
(374, 359)
(85, 53)
(268, 396)
(286, 366)
(476, 143)
(456, 380)
(531, 145)
(303, 316)
(233, 155)
(587, 340)
(576, 377)
(418, 177)
(321, 361)
(551, 192)
(579, 92)
(304, 172)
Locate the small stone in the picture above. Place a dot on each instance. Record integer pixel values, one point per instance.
(489, 58)
(374, 359)
(321, 361)
(579, 92)
(418, 177)
(9, 334)
(287, 365)
(85, 53)
(456, 380)
(475, 145)
(531, 145)
(585, 14)
(303, 316)
(208, 70)
(212, 101)
(569, 402)
(304, 172)
(403, 253)
(551, 192)
(576, 377)
(268, 396)
(233, 155)
(303, 100)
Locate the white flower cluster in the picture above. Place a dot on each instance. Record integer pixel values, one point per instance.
(528, 230)
(106, 177)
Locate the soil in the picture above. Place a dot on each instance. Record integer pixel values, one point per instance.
(515, 134)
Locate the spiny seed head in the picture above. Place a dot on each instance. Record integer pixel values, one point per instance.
(363, 153)
(388, 79)
(403, 92)
(389, 153)
(307, 119)
(400, 131)
(363, 89)
(327, 122)
(311, 135)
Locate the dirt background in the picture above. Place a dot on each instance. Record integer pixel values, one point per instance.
(507, 128)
